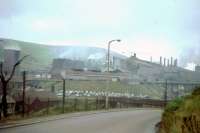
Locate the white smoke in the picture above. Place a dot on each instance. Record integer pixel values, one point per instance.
(96, 56)
(74, 53)
(190, 66)
(190, 57)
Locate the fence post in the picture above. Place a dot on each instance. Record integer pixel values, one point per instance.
(28, 110)
(63, 103)
(75, 104)
(23, 95)
(128, 102)
(97, 102)
(86, 104)
(48, 106)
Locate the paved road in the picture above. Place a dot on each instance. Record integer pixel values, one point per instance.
(133, 121)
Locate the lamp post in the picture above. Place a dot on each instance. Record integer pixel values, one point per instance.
(108, 69)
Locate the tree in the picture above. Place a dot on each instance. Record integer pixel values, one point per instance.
(5, 78)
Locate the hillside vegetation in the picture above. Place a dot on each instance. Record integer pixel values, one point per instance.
(152, 91)
(182, 115)
(40, 56)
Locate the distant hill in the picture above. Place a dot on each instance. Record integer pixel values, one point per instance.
(41, 56)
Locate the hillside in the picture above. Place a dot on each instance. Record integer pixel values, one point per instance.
(182, 115)
(41, 56)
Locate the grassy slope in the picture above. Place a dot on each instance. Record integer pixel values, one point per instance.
(40, 55)
(153, 91)
(182, 115)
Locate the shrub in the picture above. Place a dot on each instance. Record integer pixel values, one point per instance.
(174, 105)
(182, 115)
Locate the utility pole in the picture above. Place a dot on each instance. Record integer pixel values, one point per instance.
(23, 95)
(63, 104)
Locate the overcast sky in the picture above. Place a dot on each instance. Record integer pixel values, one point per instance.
(147, 27)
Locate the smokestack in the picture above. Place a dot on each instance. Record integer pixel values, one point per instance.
(168, 63)
(171, 61)
(135, 55)
(161, 60)
(151, 59)
(175, 62)
(164, 62)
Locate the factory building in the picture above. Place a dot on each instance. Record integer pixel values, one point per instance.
(197, 68)
(61, 64)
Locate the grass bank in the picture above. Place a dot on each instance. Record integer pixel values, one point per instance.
(182, 115)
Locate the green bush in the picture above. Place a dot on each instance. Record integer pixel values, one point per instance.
(174, 105)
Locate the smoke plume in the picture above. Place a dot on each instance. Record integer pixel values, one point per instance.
(190, 55)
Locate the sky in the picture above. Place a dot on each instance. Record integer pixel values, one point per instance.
(146, 27)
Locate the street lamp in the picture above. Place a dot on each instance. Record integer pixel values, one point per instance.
(108, 69)
(109, 43)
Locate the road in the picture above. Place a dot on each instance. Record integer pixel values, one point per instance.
(132, 121)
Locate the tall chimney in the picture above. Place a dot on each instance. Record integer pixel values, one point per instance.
(168, 63)
(161, 60)
(135, 55)
(175, 62)
(164, 62)
(171, 61)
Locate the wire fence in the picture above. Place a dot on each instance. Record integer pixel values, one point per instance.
(45, 96)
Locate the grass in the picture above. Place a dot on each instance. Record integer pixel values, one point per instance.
(153, 91)
(175, 105)
(182, 115)
(71, 105)
(40, 55)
